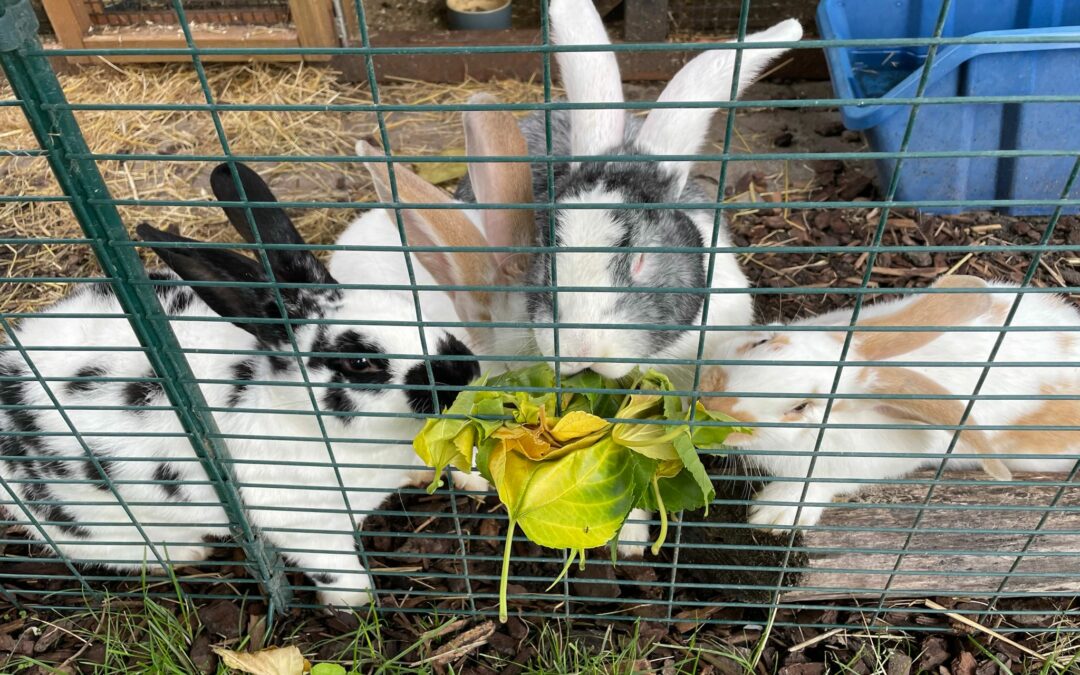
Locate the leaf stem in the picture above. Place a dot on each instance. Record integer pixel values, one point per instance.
(571, 554)
(663, 517)
(505, 571)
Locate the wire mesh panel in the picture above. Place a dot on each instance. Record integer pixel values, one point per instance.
(722, 16)
(214, 366)
(136, 12)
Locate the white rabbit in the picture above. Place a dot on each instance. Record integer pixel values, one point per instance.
(487, 133)
(364, 378)
(629, 310)
(797, 394)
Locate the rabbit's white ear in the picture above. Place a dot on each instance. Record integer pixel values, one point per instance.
(490, 133)
(708, 77)
(904, 382)
(589, 77)
(430, 227)
(932, 309)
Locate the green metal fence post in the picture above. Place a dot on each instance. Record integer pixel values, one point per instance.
(36, 86)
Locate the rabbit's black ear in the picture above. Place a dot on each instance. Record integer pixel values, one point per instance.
(212, 264)
(272, 223)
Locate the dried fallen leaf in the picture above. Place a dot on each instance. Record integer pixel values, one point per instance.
(438, 173)
(273, 661)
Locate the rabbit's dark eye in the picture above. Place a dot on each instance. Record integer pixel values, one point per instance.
(359, 366)
(801, 407)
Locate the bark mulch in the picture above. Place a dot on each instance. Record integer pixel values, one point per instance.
(422, 575)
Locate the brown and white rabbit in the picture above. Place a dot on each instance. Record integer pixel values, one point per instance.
(487, 133)
(862, 440)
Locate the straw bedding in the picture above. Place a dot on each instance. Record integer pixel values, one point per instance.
(171, 133)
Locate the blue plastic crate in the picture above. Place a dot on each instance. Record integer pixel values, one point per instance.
(985, 69)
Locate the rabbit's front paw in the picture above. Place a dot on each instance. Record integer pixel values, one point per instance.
(634, 537)
(780, 517)
(343, 599)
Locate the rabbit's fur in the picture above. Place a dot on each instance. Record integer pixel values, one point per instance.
(593, 77)
(281, 458)
(796, 394)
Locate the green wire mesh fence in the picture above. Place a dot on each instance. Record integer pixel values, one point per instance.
(141, 429)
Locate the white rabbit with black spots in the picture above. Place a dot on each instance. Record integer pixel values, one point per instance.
(795, 394)
(366, 380)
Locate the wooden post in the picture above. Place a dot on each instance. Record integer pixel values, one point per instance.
(70, 22)
(352, 23)
(646, 20)
(314, 22)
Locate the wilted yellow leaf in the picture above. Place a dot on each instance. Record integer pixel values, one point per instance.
(524, 441)
(583, 442)
(577, 424)
(274, 661)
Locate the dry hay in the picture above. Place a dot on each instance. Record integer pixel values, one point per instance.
(170, 133)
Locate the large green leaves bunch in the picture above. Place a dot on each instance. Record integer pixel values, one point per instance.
(567, 476)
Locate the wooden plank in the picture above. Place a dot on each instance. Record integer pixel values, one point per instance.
(231, 36)
(232, 17)
(444, 67)
(845, 564)
(646, 20)
(352, 24)
(70, 21)
(808, 64)
(314, 22)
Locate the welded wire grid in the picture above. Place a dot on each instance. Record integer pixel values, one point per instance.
(708, 16)
(453, 567)
(138, 12)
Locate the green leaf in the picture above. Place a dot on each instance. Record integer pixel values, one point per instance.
(673, 408)
(652, 440)
(713, 436)
(538, 375)
(328, 669)
(599, 404)
(639, 407)
(688, 454)
(679, 493)
(491, 407)
(586, 379)
(577, 501)
(445, 442)
(483, 457)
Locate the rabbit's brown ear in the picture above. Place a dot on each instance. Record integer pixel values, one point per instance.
(931, 309)
(891, 383)
(495, 133)
(430, 227)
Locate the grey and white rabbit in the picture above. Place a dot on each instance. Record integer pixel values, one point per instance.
(366, 380)
(593, 77)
